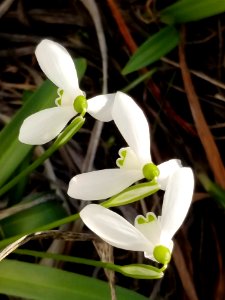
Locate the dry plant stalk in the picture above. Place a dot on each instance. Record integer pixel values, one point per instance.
(184, 273)
(204, 133)
(54, 234)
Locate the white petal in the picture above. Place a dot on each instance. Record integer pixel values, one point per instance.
(177, 200)
(133, 125)
(101, 184)
(58, 66)
(166, 169)
(113, 229)
(45, 125)
(100, 107)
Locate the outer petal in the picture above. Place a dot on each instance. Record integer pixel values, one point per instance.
(58, 66)
(133, 125)
(45, 125)
(166, 169)
(113, 229)
(101, 184)
(100, 107)
(177, 200)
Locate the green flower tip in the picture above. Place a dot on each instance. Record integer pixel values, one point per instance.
(80, 104)
(162, 254)
(150, 171)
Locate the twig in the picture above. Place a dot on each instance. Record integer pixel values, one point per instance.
(204, 133)
(5, 6)
(201, 75)
(96, 133)
(122, 26)
(53, 234)
(94, 12)
(184, 273)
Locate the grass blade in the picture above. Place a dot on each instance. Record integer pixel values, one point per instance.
(153, 49)
(31, 281)
(191, 10)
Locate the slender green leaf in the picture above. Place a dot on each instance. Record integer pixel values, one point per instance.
(81, 66)
(191, 10)
(153, 49)
(31, 281)
(12, 152)
(48, 226)
(31, 218)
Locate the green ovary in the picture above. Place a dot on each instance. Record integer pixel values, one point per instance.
(150, 171)
(162, 254)
(80, 104)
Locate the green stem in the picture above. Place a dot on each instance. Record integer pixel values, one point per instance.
(164, 267)
(140, 271)
(67, 258)
(63, 138)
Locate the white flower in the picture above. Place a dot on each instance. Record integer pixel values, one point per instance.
(134, 162)
(149, 234)
(58, 66)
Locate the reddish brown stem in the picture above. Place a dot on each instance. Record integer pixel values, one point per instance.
(204, 133)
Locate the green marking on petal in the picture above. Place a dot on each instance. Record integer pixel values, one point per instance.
(80, 104)
(150, 171)
(120, 161)
(162, 254)
(141, 220)
(149, 218)
(58, 101)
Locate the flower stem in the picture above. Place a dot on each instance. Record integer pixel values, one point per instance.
(68, 258)
(140, 271)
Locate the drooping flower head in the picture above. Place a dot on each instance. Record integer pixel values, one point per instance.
(58, 66)
(134, 162)
(149, 234)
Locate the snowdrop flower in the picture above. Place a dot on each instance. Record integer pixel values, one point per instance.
(149, 234)
(134, 162)
(58, 66)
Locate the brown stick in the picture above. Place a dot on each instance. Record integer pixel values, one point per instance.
(122, 26)
(183, 271)
(204, 133)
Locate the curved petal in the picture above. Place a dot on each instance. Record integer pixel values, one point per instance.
(133, 125)
(100, 107)
(101, 184)
(177, 200)
(166, 169)
(45, 125)
(113, 228)
(58, 66)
